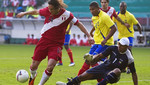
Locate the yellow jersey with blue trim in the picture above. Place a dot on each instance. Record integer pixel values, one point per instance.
(123, 30)
(68, 29)
(102, 24)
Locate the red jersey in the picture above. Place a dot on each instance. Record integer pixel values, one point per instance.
(55, 25)
(110, 11)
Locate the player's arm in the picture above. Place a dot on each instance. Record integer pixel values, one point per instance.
(84, 30)
(97, 58)
(139, 28)
(125, 24)
(134, 75)
(112, 31)
(34, 12)
(67, 32)
(91, 32)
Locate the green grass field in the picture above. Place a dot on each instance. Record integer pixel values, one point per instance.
(16, 57)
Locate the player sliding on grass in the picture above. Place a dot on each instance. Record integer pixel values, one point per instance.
(53, 35)
(110, 70)
(104, 30)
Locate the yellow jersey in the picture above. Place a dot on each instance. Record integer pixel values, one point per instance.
(102, 24)
(68, 29)
(123, 30)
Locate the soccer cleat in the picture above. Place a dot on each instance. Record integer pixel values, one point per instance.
(60, 83)
(72, 64)
(31, 81)
(59, 64)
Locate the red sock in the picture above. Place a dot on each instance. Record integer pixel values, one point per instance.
(84, 68)
(69, 51)
(95, 65)
(48, 73)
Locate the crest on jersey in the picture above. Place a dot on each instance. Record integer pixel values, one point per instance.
(63, 17)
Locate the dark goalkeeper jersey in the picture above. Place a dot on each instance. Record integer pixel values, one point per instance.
(119, 60)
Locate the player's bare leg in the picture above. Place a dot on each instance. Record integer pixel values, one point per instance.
(33, 71)
(48, 72)
(69, 51)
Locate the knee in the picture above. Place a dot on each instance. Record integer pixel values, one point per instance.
(117, 71)
(34, 65)
(50, 68)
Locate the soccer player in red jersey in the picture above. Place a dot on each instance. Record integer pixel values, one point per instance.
(53, 36)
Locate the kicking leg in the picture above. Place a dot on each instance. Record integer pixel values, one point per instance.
(33, 68)
(48, 72)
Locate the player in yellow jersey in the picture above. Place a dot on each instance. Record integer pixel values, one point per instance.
(127, 17)
(104, 30)
(66, 45)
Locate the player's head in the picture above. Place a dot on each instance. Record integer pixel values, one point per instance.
(123, 44)
(104, 3)
(55, 5)
(94, 8)
(123, 7)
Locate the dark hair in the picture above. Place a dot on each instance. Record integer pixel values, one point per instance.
(95, 4)
(106, 0)
(55, 3)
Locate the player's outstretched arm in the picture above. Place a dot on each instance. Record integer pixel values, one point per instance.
(97, 58)
(84, 30)
(125, 24)
(34, 12)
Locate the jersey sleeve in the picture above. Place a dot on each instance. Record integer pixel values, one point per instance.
(43, 11)
(114, 14)
(132, 67)
(107, 52)
(74, 20)
(134, 20)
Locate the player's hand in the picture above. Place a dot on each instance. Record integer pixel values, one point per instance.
(103, 42)
(91, 40)
(127, 25)
(88, 57)
(21, 14)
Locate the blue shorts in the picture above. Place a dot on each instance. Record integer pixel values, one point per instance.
(97, 48)
(67, 39)
(130, 40)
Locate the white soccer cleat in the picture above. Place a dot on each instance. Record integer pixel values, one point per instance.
(71, 64)
(88, 57)
(60, 83)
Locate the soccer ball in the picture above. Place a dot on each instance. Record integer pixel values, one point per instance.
(22, 76)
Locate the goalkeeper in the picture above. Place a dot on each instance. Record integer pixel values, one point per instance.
(110, 70)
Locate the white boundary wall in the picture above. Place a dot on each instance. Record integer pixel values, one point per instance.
(22, 27)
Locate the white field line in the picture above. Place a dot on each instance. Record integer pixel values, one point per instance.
(13, 58)
(131, 81)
